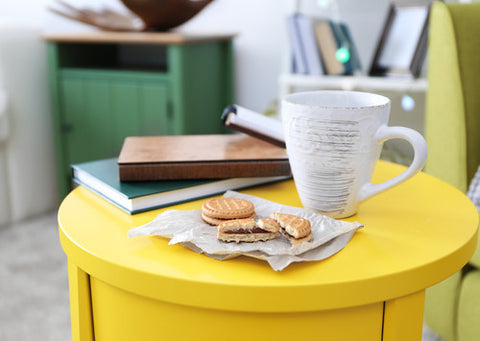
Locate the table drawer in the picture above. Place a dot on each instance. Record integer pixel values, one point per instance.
(121, 315)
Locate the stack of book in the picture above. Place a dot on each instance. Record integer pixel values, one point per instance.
(154, 172)
(321, 46)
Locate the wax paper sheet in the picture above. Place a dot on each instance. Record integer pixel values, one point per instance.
(188, 228)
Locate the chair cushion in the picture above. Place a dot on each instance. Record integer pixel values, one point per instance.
(469, 308)
(445, 129)
(466, 19)
(440, 307)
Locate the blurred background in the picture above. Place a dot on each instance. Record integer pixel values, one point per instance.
(27, 172)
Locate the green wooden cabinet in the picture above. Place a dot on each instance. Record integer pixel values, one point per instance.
(106, 86)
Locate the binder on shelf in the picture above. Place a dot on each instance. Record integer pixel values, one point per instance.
(344, 41)
(309, 44)
(299, 58)
(354, 55)
(327, 44)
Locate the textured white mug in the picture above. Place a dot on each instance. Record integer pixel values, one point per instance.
(334, 139)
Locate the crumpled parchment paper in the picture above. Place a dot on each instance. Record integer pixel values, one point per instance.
(187, 227)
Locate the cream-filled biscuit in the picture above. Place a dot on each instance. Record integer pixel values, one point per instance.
(296, 229)
(245, 230)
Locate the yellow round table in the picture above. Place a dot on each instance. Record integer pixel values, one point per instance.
(121, 288)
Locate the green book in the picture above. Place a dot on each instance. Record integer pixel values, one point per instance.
(101, 177)
(344, 40)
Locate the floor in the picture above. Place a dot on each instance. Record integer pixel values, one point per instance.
(34, 284)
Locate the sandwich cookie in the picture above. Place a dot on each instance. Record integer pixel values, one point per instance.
(247, 230)
(294, 228)
(217, 210)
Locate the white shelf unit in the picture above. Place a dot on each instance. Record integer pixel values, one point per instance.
(290, 82)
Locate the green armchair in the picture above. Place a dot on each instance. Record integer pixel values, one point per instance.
(452, 131)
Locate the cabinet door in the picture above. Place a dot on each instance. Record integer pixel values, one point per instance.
(139, 108)
(99, 112)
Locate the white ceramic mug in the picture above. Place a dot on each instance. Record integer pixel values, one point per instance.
(334, 139)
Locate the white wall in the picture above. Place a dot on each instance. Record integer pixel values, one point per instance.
(27, 161)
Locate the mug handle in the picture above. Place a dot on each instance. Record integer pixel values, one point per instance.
(420, 149)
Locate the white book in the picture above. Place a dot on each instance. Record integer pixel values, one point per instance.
(309, 44)
(254, 124)
(300, 65)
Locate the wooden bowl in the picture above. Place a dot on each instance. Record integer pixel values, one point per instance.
(161, 15)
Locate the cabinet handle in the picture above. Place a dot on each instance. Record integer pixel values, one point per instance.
(66, 127)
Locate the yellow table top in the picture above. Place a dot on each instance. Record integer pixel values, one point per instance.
(415, 235)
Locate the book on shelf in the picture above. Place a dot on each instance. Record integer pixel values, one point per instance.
(309, 44)
(298, 53)
(179, 157)
(327, 45)
(323, 46)
(334, 39)
(354, 55)
(101, 177)
(344, 41)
